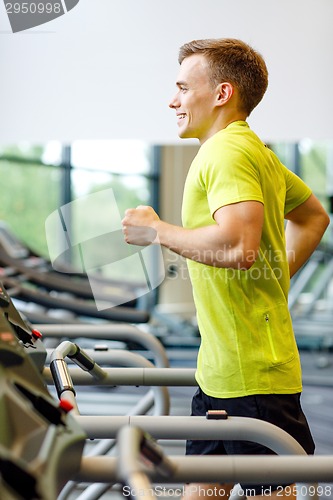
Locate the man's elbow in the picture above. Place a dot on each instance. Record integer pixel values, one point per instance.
(247, 257)
(246, 264)
(320, 218)
(326, 221)
(322, 222)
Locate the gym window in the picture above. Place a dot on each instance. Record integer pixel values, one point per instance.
(38, 179)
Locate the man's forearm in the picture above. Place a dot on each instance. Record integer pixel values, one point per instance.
(208, 245)
(305, 228)
(233, 240)
(301, 242)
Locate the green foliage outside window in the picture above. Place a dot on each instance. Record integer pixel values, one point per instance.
(28, 193)
(31, 190)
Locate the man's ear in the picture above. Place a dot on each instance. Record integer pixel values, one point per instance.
(224, 93)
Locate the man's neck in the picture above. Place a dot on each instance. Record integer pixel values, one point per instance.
(222, 122)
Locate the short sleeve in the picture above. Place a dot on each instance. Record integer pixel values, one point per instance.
(231, 179)
(297, 192)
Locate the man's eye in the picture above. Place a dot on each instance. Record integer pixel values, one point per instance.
(183, 89)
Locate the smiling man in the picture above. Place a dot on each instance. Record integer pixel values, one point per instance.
(240, 254)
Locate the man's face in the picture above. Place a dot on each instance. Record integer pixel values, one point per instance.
(194, 100)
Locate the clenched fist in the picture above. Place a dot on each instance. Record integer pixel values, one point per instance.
(139, 226)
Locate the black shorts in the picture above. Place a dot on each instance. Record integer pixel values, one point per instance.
(282, 410)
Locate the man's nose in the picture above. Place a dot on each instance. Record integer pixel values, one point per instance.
(174, 103)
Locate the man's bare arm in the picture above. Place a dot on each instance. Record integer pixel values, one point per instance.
(305, 228)
(232, 242)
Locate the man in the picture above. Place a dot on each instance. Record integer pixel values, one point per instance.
(240, 255)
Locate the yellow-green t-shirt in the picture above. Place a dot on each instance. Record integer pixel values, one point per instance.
(247, 340)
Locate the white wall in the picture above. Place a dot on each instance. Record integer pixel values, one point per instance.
(107, 68)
